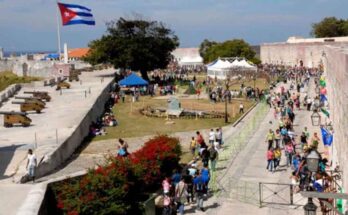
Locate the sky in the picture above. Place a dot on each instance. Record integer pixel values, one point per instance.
(31, 25)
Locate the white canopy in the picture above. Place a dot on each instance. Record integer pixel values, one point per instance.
(245, 64)
(220, 67)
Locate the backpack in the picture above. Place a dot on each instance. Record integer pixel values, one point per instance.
(199, 187)
(213, 154)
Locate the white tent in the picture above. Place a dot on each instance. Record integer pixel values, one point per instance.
(245, 64)
(221, 67)
(218, 69)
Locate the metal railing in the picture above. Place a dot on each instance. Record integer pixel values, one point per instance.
(234, 144)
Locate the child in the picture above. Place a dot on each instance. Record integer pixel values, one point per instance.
(193, 146)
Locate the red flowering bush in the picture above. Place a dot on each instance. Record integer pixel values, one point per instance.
(112, 189)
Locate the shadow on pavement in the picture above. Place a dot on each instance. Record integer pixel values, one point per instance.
(6, 155)
(193, 208)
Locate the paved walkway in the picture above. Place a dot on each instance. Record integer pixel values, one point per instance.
(58, 116)
(242, 174)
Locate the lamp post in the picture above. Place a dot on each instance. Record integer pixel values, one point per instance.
(227, 85)
(310, 208)
(312, 160)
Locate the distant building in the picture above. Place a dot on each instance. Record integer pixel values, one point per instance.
(77, 54)
(1, 53)
(187, 57)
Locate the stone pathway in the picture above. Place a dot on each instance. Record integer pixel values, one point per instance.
(240, 182)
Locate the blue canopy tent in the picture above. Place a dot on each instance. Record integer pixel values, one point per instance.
(132, 80)
(51, 56)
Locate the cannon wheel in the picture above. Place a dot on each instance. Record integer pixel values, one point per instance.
(7, 125)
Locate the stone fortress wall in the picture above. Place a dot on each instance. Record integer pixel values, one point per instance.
(22, 66)
(333, 54)
(291, 52)
(336, 73)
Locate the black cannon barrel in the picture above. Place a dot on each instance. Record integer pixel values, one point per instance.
(22, 97)
(32, 92)
(18, 102)
(13, 113)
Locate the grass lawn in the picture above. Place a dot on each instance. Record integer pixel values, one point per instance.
(133, 124)
(260, 83)
(8, 78)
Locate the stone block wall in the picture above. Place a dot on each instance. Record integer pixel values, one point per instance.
(292, 53)
(9, 92)
(22, 67)
(336, 73)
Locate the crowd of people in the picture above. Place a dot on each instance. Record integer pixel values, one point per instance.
(107, 119)
(191, 184)
(284, 142)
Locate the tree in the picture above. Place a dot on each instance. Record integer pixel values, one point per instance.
(134, 44)
(205, 45)
(229, 48)
(330, 27)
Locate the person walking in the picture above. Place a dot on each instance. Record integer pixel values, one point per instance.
(193, 145)
(213, 156)
(167, 204)
(199, 187)
(218, 137)
(205, 177)
(200, 140)
(122, 148)
(289, 150)
(277, 138)
(303, 139)
(270, 158)
(31, 165)
(188, 178)
(270, 138)
(180, 195)
(205, 155)
(166, 185)
(277, 157)
(211, 137)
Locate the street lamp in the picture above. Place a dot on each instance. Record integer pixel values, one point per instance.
(227, 85)
(310, 208)
(312, 160)
(316, 118)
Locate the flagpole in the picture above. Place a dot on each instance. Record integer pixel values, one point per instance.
(58, 31)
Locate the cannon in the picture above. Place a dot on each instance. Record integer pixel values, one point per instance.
(32, 99)
(12, 118)
(29, 106)
(63, 84)
(43, 95)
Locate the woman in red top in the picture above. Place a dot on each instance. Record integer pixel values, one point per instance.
(270, 158)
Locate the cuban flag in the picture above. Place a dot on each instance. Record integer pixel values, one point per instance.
(75, 14)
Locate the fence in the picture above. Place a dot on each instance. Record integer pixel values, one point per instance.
(234, 144)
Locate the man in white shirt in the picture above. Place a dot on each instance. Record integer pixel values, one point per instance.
(211, 137)
(218, 137)
(31, 165)
(241, 108)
